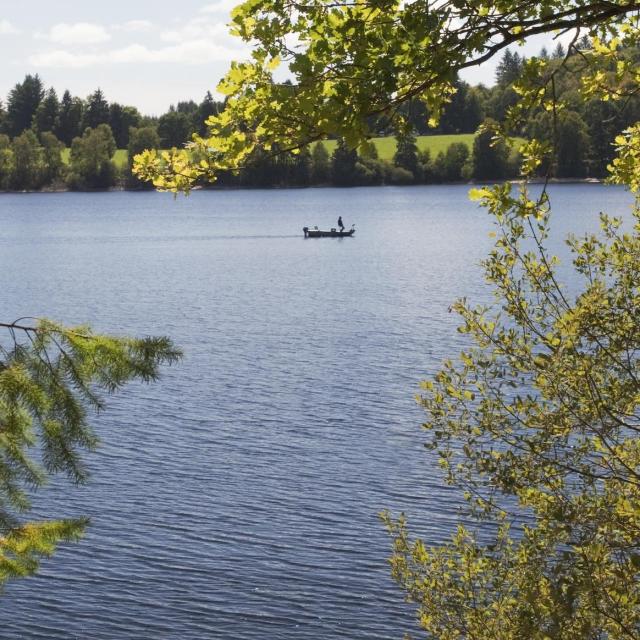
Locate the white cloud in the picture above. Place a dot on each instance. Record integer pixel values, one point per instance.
(221, 6)
(78, 33)
(7, 29)
(136, 25)
(198, 28)
(62, 59)
(194, 52)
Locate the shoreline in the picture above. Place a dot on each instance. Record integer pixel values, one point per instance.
(314, 186)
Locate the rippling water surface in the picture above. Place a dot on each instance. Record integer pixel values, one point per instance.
(238, 497)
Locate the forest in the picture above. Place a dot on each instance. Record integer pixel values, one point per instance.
(52, 143)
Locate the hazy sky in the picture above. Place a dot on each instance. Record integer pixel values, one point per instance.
(142, 52)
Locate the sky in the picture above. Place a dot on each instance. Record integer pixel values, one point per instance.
(146, 53)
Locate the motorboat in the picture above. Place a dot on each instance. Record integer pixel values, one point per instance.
(331, 233)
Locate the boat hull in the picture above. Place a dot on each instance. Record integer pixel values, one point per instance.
(332, 233)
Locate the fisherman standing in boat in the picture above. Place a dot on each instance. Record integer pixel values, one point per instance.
(340, 225)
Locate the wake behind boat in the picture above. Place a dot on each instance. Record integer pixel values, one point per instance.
(331, 233)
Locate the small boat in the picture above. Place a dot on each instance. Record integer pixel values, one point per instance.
(332, 233)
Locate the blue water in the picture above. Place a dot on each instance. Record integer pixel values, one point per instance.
(238, 497)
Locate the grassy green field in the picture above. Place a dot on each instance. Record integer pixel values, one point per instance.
(387, 146)
(120, 157)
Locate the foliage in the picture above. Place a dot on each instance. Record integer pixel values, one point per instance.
(406, 155)
(321, 172)
(541, 408)
(174, 128)
(121, 119)
(28, 162)
(490, 155)
(69, 118)
(509, 69)
(451, 166)
(140, 139)
(22, 104)
(52, 157)
(46, 115)
(96, 111)
(353, 61)
(344, 166)
(537, 421)
(90, 163)
(207, 108)
(50, 377)
(7, 162)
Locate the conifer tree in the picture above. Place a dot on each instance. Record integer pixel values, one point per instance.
(51, 377)
(344, 170)
(96, 111)
(320, 164)
(406, 155)
(509, 68)
(207, 108)
(70, 118)
(46, 117)
(559, 52)
(121, 119)
(23, 101)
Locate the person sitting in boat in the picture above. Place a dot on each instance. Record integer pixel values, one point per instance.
(340, 225)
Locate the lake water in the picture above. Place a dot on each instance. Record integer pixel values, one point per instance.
(238, 497)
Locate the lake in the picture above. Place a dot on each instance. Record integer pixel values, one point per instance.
(237, 498)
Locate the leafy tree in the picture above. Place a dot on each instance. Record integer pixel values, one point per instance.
(29, 169)
(90, 161)
(401, 176)
(455, 160)
(70, 118)
(140, 139)
(23, 101)
(51, 156)
(174, 128)
(490, 156)
(96, 111)
(379, 57)
(7, 163)
(537, 421)
(572, 146)
(47, 113)
(34, 164)
(50, 378)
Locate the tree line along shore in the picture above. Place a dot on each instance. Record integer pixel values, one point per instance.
(47, 143)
